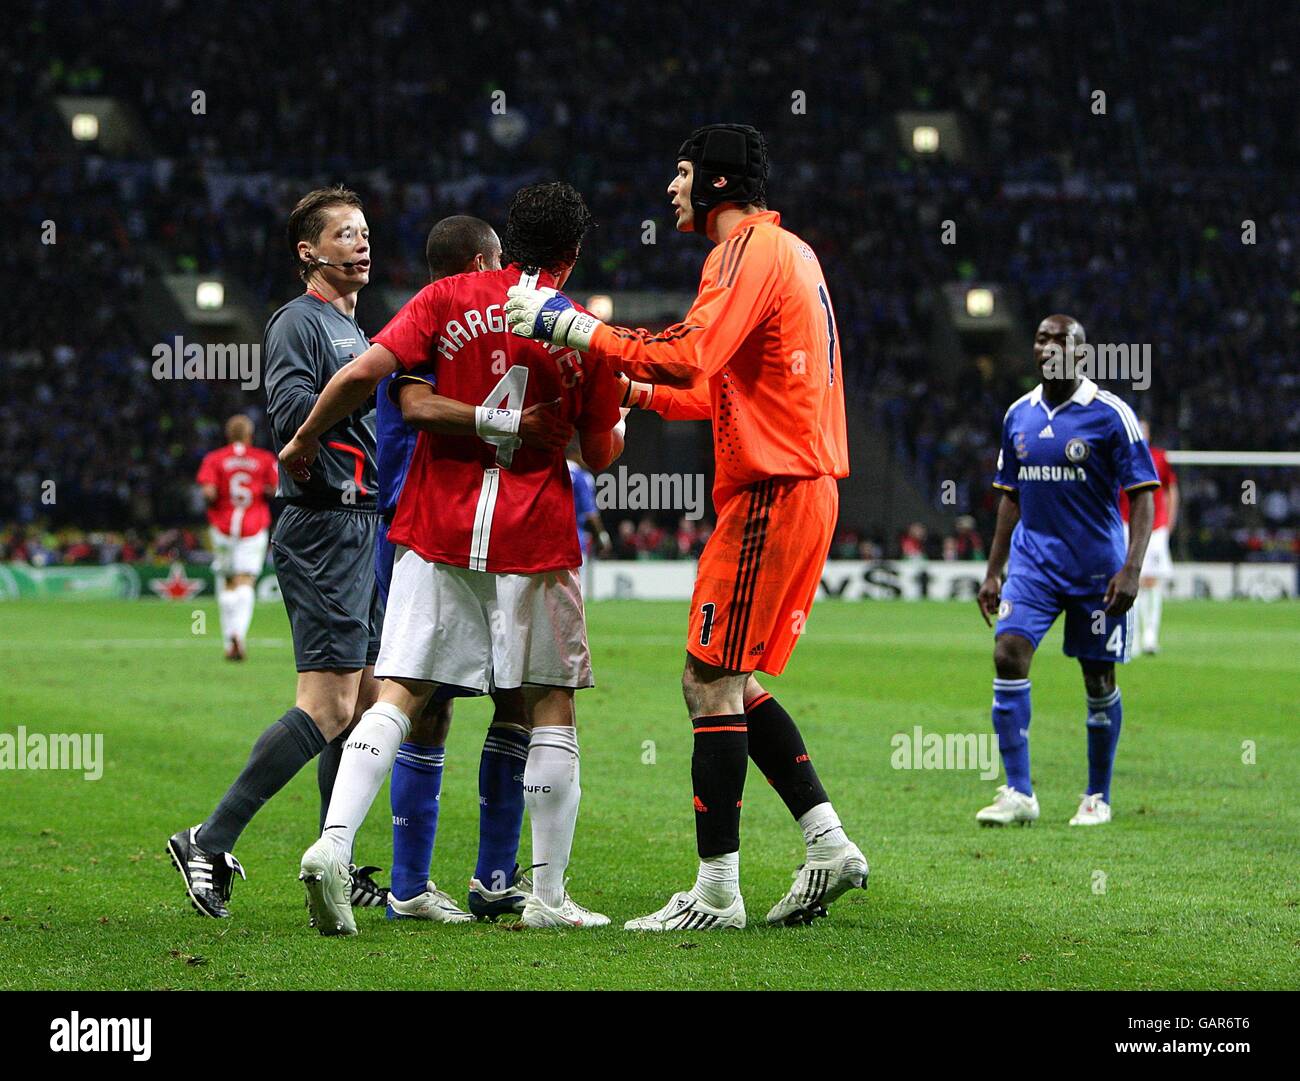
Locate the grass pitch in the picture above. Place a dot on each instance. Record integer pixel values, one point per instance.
(1196, 883)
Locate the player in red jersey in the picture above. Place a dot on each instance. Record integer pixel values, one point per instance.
(237, 480)
(485, 590)
(1158, 566)
(758, 355)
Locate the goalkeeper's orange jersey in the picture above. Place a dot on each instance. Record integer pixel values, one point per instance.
(758, 354)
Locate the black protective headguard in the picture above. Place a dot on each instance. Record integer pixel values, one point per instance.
(730, 166)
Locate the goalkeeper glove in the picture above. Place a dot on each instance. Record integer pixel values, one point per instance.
(636, 395)
(545, 315)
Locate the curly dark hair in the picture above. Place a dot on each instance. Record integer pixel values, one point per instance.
(545, 226)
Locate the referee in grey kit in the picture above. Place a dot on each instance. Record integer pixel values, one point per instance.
(324, 545)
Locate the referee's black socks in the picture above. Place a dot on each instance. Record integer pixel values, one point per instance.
(279, 753)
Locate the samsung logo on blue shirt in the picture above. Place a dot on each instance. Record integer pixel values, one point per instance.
(1051, 472)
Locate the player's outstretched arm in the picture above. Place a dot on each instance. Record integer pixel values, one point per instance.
(540, 425)
(1122, 590)
(990, 594)
(601, 449)
(671, 403)
(730, 304)
(345, 393)
(426, 410)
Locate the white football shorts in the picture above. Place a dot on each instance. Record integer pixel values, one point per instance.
(1157, 563)
(238, 555)
(483, 631)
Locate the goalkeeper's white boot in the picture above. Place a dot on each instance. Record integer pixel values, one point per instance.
(433, 904)
(828, 874)
(568, 914)
(1093, 811)
(329, 889)
(1010, 806)
(685, 912)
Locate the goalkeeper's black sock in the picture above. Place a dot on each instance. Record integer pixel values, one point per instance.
(279, 753)
(778, 750)
(327, 768)
(718, 767)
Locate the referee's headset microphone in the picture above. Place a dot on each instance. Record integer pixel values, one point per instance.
(325, 262)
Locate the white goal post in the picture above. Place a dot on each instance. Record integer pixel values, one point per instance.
(1233, 457)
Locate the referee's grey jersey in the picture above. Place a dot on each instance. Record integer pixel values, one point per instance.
(305, 343)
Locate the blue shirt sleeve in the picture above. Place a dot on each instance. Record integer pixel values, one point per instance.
(422, 373)
(1005, 477)
(1131, 457)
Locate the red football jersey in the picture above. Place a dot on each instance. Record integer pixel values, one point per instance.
(466, 502)
(241, 474)
(1167, 476)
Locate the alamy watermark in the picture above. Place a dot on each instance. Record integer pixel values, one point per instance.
(1125, 362)
(651, 491)
(946, 750)
(79, 751)
(115, 1035)
(179, 359)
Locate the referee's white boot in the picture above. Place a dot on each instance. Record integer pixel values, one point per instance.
(1010, 806)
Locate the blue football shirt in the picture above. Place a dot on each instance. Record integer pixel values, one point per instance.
(395, 439)
(1067, 465)
(584, 498)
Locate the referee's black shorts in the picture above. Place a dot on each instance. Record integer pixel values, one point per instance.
(325, 563)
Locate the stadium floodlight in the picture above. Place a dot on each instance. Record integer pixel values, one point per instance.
(979, 303)
(601, 305)
(85, 127)
(209, 296)
(925, 139)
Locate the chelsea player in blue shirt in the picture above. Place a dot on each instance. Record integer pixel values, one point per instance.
(1067, 448)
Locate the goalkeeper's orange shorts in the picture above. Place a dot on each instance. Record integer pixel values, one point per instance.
(759, 573)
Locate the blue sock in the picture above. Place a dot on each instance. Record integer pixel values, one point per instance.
(501, 805)
(1011, 722)
(414, 791)
(1105, 718)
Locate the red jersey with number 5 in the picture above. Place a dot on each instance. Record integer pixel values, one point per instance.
(505, 509)
(242, 475)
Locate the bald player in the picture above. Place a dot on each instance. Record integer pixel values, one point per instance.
(758, 354)
(1067, 446)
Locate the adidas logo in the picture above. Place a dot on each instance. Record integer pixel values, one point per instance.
(758, 649)
(1047, 433)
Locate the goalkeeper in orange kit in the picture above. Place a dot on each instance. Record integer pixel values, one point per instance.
(758, 354)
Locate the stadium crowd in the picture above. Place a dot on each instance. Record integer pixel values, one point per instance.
(1134, 218)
